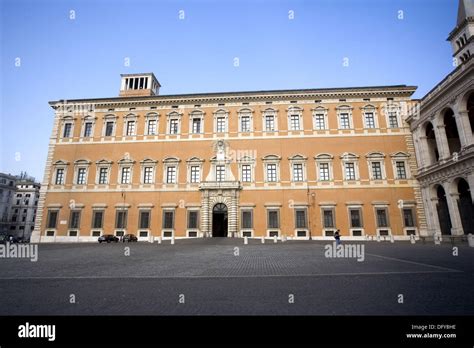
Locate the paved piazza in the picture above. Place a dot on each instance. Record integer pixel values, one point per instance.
(205, 276)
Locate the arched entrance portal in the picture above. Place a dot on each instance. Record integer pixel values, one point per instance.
(219, 220)
(466, 208)
(443, 211)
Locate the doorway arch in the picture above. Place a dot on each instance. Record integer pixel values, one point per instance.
(443, 211)
(219, 220)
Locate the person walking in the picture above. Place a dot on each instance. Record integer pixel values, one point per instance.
(337, 236)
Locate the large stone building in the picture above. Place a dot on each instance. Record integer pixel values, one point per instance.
(294, 163)
(7, 192)
(443, 125)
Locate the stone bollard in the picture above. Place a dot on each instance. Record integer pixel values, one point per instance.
(246, 240)
(392, 240)
(367, 237)
(378, 238)
(159, 240)
(412, 239)
(437, 238)
(263, 240)
(283, 238)
(172, 240)
(470, 240)
(274, 239)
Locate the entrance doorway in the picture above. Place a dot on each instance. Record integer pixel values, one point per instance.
(219, 220)
(443, 211)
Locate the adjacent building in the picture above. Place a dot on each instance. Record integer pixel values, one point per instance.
(442, 125)
(7, 192)
(294, 163)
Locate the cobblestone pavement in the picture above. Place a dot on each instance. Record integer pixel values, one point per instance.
(224, 276)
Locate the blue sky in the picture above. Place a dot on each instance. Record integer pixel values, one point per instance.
(64, 58)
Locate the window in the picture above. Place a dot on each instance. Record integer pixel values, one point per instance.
(247, 219)
(109, 128)
(269, 123)
(271, 172)
(246, 173)
(295, 122)
(130, 128)
(297, 172)
(97, 218)
(355, 216)
(382, 218)
(273, 219)
(67, 130)
(300, 218)
(350, 171)
(125, 177)
(369, 120)
(171, 175)
(52, 219)
(121, 219)
(195, 174)
(103, 175)
(81, 176)
(319, 121)
(196, 125)
(392, 119)
(148, 175)
(328, 218)
(193, 219)
(324, 174)
(151, 128)
(376, 170)
(220, 172)
(74, 219)
(245, 123)
(144, 221)
(220, 125)
(59, 176)
(174, 126)
(408, 218)
(344, 121)
(168, 219)
(87, 129)
(401, 171)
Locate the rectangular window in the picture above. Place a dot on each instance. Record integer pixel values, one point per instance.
(97, 218)
(408, 218)
(109, 128)
(297, 172)
(103, 174)
(356, 220)
(195, 174)
(382, 218)
(144, 219)
(196, 125)
(67, 130)
(173, 126)
(271, 172)
(324, 174)
(130, 128)
(220, 173)
(392, 119)
(245, 124)
(121, 219)
(295, 122)
(246, 173)
(273, 219)
(59, 176)
(168, 219)
(148, 175)
(300, 218)
(247, 219)
(151, 130)
(269, 123)
(193, 219)
(74, 219)
(125, 177)
(220, 125)
(52, 219)
(319, 122)
(369, 120)
(401, 171)
(328, 218)
(350, 171)
(81, 176)
(376, 170)
(87, 129)
(171, 175)
(344, 121)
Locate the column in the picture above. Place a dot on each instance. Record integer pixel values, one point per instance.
(442, 142)
(432, 219)
(205, 214)
(233, 215)
(464, 128)
(470, 181)
(419, 142)
(456, 223)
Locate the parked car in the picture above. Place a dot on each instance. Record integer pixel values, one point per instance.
(108, 238)
(129, 238)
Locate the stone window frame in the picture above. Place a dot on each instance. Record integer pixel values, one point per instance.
(84, 164)
(296, 208)
(221, 113)
(295, 110)
(380, 206)
(269, 208)
(345, 109)
(318, 111)
(103, 163)
(247, 160)
(148, 162)
(173, 115)
(366, 109)
(125, 162)
(359, 207)
(244, 112)
(373, 157)
(152, 116)
(194, 162)
(67, 119)
(75, 209)
(350, 157)
(109, 118)
(271, 159)
(324, 158)
(270, 112)
(298, 159)
(196, 229)
(88, 119)
(401, 156)
(392, 107)
(131, 117)
(170, 162)
(194, 115)
(59, 164)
